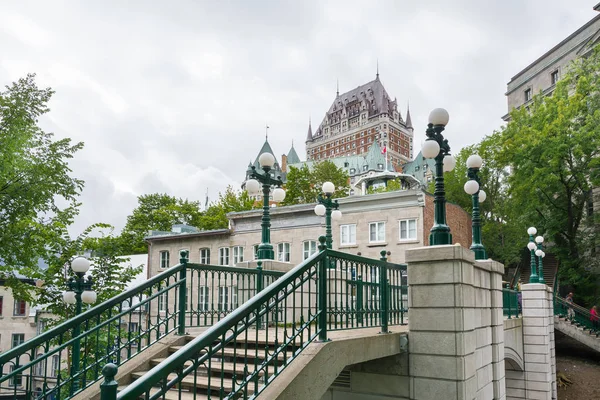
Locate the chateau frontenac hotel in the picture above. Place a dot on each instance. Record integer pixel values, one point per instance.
(364, 134)
(357, 119)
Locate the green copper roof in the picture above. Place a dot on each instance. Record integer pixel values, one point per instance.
(266, 148)
(292, 157)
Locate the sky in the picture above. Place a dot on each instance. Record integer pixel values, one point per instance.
(173, 97)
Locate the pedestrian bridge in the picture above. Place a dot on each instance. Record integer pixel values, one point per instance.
(335, 325)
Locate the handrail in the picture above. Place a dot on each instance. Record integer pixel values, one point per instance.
(327, 283)
(577, 315)
(239, 270)
(511, 305)
(86, 315)
(212, 334)
(156, 308)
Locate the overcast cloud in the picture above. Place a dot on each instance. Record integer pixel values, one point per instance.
(174, 96)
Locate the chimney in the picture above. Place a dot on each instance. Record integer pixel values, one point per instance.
(283, 163)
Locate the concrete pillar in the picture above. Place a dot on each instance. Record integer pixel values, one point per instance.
(552, 345)
(536, 342)
(453, 322)
(497, 325)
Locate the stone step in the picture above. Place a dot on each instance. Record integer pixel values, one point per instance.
(174, 394)
(237, 353)
(199, 382)
(227, 367)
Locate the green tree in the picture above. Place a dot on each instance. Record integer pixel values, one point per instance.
(38, 195)
(501, 230)
(304, 184)
(215, 217)
(553, 151)
(110, 276)
(156, 212)
(391, 186)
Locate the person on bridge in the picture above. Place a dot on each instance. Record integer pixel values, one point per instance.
(570, 311)
(594, 317)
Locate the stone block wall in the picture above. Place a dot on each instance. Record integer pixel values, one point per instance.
(456, 332)
(538, 379)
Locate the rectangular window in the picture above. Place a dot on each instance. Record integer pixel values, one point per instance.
(203, 298)
(55, 366)
(17, 339)
(347, 234)
(255, 251)
(223, 298)
(134, 331)
(283, 252)
(238, 254)
(308, 249)
(224, 256)
(20, 308)
(527, 94)
(164, 259)
(204, 256)
(376, 232)
(408, 229)
(16, 380)
(234, 297)
(162, 302)
(554, 77)
(1, 304)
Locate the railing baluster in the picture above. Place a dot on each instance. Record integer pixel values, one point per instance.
(322, 283)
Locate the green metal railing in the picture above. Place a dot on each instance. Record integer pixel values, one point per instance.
(577, 315)
(122, 327)
(510, 303)
(238, 357)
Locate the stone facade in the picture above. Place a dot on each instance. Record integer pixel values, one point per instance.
(538, 379)
(457, 219)
(298, 226)
(541, 75)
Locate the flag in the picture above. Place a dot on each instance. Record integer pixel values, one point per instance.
(384, 150)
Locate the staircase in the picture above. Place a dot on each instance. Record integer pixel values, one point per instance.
(550, 266)
(575, 322)
(221, 374)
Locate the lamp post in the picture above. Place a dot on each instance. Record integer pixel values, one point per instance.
(329, 209)
(539, 240)
(437, 147)
(472, 187)
(266, 160)
(533, 278)
(80, 290)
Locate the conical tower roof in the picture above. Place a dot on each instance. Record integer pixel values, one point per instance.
(292, 157)
(408, 120)
(309, 136)
(266, 148)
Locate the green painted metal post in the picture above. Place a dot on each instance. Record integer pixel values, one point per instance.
(540, 265)
(183, 259)
(108, 388)
(359, 299)
(330, 205)
(440, 232)
(476, 246)
(265, 249)
(383, 293)
(259, 288)
(322, 284)
(533, 278)
(75, 357)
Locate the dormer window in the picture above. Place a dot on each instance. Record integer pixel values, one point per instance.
(365, 167)
(352, 170)
(380, 166)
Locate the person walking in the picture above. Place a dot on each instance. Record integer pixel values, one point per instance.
(570, 311)
(594, 317)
